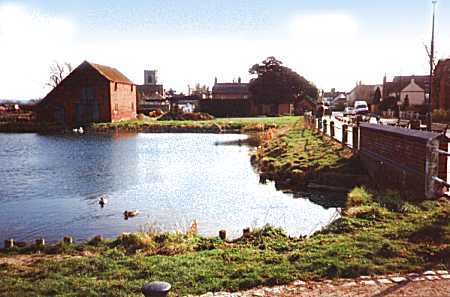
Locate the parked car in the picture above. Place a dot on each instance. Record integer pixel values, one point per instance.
(349, 111)
(361, 107)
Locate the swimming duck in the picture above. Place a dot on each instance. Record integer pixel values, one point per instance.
(130, 213)
(102, 201)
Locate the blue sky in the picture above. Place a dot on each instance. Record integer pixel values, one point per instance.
(332, 43)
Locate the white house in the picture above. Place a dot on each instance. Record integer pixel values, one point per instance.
(415, 93)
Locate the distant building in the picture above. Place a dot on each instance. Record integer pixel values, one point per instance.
(90, 93)
(151, 95)
(441, 85)
(363, 93)
(305, 104)
(230, 91)
(404, 84)
(227, 99)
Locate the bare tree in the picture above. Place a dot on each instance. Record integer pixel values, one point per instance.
(58, 71)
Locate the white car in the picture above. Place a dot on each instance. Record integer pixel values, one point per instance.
(349, 111)
(361, 107)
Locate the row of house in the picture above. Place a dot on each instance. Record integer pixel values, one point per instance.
(98, 93)
(412, 91)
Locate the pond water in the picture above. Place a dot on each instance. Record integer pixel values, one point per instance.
(50, 184)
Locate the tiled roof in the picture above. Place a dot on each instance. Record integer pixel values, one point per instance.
(111, 74)
(230, 88)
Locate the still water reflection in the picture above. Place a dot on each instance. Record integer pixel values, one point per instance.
(50, 187)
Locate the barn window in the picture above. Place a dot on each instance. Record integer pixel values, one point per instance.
(132, 106)
(131, 88)
(115, 86)
(116, 107)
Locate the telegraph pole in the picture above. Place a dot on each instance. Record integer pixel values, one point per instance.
(431, 56)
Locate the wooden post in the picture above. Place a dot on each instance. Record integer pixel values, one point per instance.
(332, 129)
(431, 168)
(68, 240)
(355, 138)
(223, 234)
(9, 243)
(40, 241)
(344, 134)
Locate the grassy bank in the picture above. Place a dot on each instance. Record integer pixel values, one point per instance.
(217, 125)
(378, 233)
(297, 156)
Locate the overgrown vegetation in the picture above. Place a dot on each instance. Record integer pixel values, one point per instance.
(378, 233)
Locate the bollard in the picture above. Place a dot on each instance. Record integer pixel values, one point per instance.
(9, 243)
(246, 232)
(325, 127)
(223, 234)
(156, 289)
(344, 134)
(319, 125)
(40, 241)
(332, 129)
(355, 138)
(68, 240)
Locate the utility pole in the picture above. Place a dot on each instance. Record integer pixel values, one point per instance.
(431, 56)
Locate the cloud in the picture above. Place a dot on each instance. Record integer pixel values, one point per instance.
(332, 49)
(29, 42)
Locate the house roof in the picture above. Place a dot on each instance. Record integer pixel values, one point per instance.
(230, 88)
(111, 74)
(401, 82)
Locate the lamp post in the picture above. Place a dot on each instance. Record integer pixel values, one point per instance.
(431, 56)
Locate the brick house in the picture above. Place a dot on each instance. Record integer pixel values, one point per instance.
(90, 93)
(441, 85)
(228, 99)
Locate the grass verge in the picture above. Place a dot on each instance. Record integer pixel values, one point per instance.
(378, 233)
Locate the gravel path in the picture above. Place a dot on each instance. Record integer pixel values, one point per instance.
(427, 284)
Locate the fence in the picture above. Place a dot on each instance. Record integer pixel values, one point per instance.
(412, 161)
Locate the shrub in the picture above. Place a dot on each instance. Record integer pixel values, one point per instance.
(441, 115)
(358, 196)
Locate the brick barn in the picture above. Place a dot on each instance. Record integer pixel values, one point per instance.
(90, 93)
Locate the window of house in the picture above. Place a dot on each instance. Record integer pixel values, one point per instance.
(131, 88)
(115, 86)
(116, 107)
(132, 106)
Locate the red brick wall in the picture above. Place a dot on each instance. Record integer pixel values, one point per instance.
(123, 101)
(63, 102)
(396, 157)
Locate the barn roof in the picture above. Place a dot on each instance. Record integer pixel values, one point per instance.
(111, 74)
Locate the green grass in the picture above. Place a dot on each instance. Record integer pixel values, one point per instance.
(228, 123)
(378, 233)
(368, 239)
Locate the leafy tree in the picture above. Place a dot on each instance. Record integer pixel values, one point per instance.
(276, 83)
(377, 96)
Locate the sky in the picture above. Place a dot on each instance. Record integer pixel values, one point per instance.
(333, 44)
